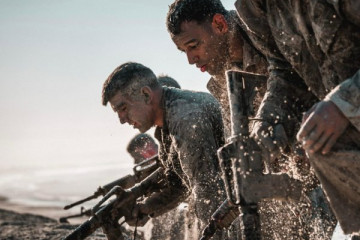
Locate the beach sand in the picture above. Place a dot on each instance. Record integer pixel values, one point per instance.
(28, 222)
(19, 222)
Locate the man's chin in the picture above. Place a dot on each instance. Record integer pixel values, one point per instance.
(143, 130)
(212, 72)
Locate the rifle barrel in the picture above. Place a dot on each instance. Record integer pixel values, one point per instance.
(80, 201)
(141, 170)
(82, 213)
(124, 182)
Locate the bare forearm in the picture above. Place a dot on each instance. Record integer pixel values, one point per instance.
(347, 98)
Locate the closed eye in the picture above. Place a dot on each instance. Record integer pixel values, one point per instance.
(193, 45)
(123, 108)
(120, 108)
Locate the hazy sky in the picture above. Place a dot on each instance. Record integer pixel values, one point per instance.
(54, 58)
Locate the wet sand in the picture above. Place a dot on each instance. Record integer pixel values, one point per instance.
(15, 225)
(28, 222)
(35, 223)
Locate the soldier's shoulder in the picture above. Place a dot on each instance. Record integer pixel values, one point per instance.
(181, 104)
(190, 97)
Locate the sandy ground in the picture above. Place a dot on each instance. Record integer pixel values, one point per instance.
(26, 222)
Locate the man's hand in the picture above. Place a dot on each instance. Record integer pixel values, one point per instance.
(322, 126)
(139, 215)
(272, 139)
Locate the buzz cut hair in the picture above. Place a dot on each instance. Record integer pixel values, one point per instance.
(192, 10)
(128, 78)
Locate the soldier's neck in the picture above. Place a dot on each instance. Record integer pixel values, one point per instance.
(159, 109)
(236, 48)
(236, 42)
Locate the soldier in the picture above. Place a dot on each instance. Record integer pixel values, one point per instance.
(170, 225)
(215, 40)
(175, 219)
(167, 81)
(189, 129)
(315, 46)
(142, 146)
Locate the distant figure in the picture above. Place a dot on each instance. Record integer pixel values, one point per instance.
(167, 81)
(142, 146)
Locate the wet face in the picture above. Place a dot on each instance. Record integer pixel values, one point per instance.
(204, 46)
(136, 113)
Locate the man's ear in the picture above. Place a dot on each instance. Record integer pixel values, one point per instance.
(147, 93)
(219, 23)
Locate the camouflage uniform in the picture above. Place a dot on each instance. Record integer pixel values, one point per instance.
(313, 46)
(274, 215)
(191, 134)
(170, 225)
(252, 61)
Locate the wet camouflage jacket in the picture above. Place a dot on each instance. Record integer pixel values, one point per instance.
(275, 216)
(191, 134)
(314, 45)
(252, 61)
(320, 40)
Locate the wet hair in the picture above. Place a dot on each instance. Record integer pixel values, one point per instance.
(167, 81)
(192, 10)
(128, 78)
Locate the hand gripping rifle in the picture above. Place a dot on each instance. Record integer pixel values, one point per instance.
(242, 164)
(107, 216)
(141, 171)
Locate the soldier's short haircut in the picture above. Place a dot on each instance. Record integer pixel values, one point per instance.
(128, 78)
(139, 141)
(192, 10)
(167, 81)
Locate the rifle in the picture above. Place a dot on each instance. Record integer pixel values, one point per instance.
(141, 171)
(83, 212)
(242, 164)
(222, 218)
(107, 216)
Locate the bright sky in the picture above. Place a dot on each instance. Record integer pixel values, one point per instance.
(54, 58)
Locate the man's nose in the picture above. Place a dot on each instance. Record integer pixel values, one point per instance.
(122, 118)
(192, 58)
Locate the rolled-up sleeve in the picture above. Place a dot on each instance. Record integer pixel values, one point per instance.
(346, 96)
